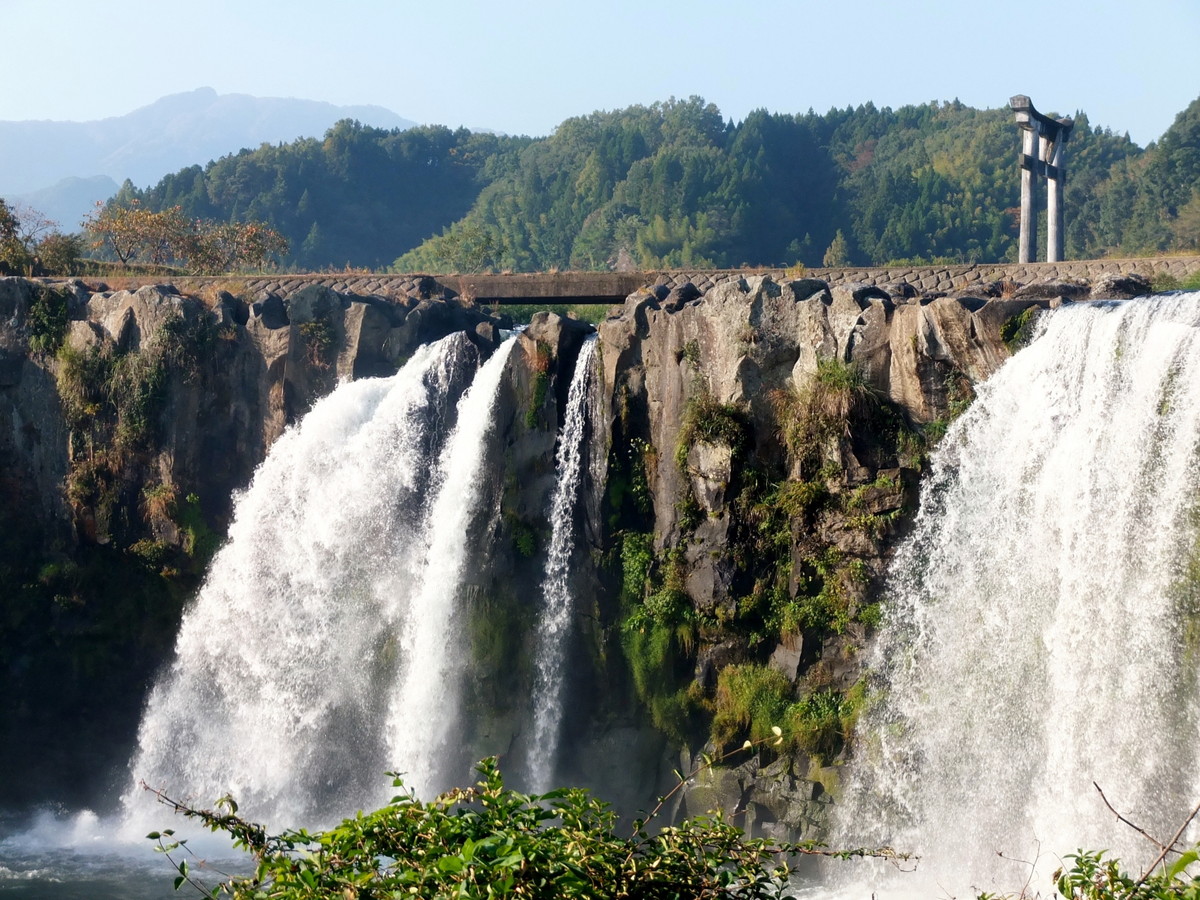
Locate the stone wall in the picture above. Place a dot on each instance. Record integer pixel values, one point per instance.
(613, 287)
(966, 278)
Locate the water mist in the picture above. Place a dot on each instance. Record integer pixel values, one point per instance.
(1042, 623)
(313, 659)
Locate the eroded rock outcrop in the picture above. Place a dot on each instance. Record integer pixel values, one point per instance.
(765, 444)
(224, 377)
(754, 452)
(128, 419)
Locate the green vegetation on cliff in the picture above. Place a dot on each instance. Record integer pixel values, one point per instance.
(773, 550)
(95, 577)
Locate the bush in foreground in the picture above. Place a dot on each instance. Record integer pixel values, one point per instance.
(490, 841)
(1091, 876)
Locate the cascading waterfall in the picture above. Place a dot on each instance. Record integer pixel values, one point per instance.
(1042, 626)
(553, 630)
(295, 685)
(424, 710)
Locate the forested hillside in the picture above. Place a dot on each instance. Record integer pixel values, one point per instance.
(358, 197)
(1149, 202)
(676, 184)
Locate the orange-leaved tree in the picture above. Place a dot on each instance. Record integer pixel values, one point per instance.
(133, 232)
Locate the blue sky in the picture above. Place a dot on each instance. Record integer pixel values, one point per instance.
(523, 67)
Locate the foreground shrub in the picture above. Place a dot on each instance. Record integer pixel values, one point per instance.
(490, 841)
(1091, 876)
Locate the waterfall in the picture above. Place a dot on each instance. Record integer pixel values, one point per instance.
(424, 708)
(554, 624)
(1042, 622)
(313, 658)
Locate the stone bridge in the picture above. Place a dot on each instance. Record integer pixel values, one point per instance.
(613, 287)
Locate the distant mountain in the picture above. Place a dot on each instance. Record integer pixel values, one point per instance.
(174, 132)
(68, 201)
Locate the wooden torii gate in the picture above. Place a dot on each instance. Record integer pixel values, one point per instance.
(1042, 140)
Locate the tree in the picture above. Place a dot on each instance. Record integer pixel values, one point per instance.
(370, 193)
(128, 230)
(464, 247)
(58, 253)
(838, 254)
(31, 244)
(1186, 225)
(131, 231)
(221, 247)
(15, 258)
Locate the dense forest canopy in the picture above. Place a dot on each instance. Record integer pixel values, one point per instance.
(676, 184)
(357, 197)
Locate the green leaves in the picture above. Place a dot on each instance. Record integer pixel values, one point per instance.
(1185, 860)
(451, 864)
(47, 320)
(1091, 876)
(183, 874)
(489, 841)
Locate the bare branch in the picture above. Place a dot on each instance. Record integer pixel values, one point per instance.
(1142, 831)
(1032, 866)
(1170, 847)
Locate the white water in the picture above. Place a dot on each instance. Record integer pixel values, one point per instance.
(313, 659)
(423, 712)
(558, 608)
(1035, 630)
(55, 858)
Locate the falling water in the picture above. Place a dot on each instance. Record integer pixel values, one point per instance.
(1043, 620)
(317, 626)
(423, 711)
(554, 631)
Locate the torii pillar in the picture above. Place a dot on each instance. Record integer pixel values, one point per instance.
(1042, 140)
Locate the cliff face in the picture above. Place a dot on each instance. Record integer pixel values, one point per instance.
(127, 422)
(188, 391)
(765, 444)
(753, 453)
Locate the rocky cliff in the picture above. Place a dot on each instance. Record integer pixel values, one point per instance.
(765, 442)
(127, 422)
(754, 452)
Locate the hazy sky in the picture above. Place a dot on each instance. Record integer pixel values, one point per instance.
(524, 66)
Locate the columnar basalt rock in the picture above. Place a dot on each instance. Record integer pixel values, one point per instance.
(257, 367)
(759, 510)
(752, 352)
(128, 419)
(754, 335)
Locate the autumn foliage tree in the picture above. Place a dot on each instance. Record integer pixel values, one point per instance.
(222, 246)
(122, 230)
(132, 232)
